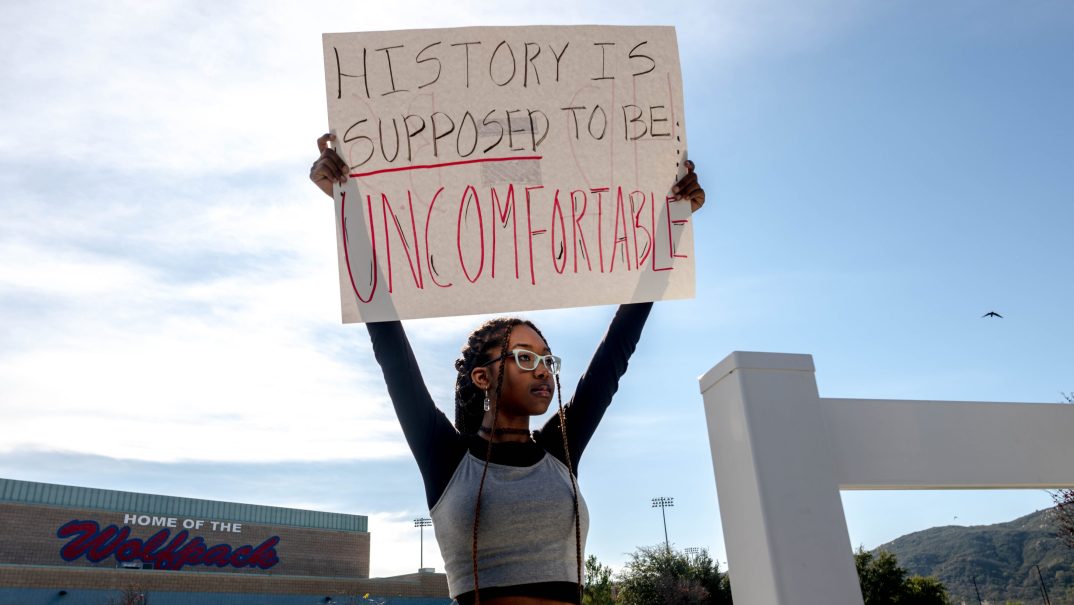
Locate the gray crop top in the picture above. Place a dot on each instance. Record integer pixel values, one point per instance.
(526, 543)
(527, 525)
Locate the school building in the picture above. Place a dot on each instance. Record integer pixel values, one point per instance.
(68, 545)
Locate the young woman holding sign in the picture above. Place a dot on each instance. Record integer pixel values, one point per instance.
(506, 510)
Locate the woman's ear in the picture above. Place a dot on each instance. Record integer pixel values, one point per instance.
(482, 378)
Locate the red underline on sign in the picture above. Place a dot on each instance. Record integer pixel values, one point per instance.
(445, 165)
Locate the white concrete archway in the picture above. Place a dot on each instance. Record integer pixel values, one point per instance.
(781, 453)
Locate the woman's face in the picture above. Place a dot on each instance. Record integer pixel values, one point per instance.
(524, 392)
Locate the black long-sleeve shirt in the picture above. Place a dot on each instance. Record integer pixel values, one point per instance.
(438, 447)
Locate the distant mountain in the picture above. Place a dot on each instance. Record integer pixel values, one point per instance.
(1001, 557)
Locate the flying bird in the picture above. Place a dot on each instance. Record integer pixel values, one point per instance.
(992, 314)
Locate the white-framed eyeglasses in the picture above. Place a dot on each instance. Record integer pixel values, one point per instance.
(528, 360)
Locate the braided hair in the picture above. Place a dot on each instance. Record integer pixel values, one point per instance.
(469, 413)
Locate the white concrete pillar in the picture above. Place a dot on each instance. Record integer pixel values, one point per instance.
(783, 522)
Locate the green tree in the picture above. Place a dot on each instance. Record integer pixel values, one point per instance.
(1064, 504)
(924, 591)
(598, 583)
(884, 582)
(660, 576)
(881, 577)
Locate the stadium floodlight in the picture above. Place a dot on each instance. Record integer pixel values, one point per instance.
(663, 503)
(421, 523)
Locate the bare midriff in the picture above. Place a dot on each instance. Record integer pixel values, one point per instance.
(522, 601)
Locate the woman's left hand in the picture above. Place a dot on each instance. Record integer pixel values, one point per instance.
(689, 189)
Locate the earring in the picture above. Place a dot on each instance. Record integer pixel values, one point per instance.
(487, 403)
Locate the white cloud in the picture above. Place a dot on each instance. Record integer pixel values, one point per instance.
(249, 385)
(64, 273)
(211, 87)
(396, 546)
(214, 338)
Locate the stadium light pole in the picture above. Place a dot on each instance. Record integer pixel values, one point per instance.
(976, 590)
(663, 503)
(422, 523)
(1043, 588)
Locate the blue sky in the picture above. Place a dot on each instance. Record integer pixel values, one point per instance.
(879, 175)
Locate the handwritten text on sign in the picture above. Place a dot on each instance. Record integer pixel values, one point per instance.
(498, 169)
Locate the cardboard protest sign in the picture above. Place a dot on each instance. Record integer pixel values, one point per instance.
(507, 168)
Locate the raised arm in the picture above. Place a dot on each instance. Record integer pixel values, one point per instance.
(598, 384)
(600, 381)
(436, 445)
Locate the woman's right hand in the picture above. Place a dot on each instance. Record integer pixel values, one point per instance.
(329, 168)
